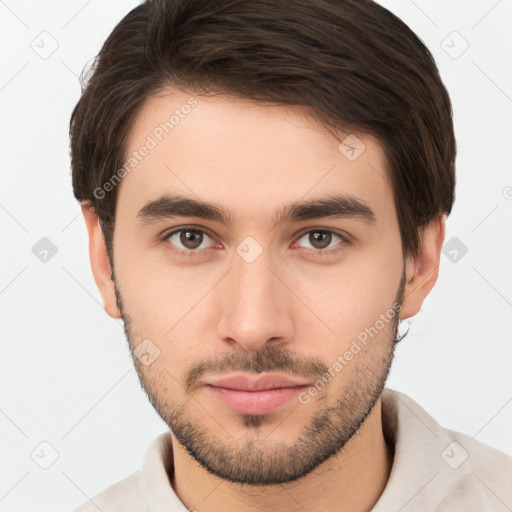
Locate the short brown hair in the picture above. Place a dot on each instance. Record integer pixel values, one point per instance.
(351, 63)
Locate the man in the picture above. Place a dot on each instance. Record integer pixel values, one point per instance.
(265, 186)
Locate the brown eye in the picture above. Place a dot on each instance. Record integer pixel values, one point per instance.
(321, 239)
(189, 239)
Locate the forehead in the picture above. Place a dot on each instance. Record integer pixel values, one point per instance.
(250, 157)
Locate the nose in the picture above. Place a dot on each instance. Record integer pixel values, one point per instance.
(256, 306)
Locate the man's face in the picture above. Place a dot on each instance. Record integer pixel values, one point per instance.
(304, 296)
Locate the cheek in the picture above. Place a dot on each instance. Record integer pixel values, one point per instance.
(347, 298)
(168, 306)
(156, 292)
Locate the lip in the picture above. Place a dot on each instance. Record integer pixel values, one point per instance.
(260, 395)
(260, 383)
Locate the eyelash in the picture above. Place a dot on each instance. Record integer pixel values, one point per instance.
(191, 253)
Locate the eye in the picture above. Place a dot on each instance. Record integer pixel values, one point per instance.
(320, 239)
(189, 239)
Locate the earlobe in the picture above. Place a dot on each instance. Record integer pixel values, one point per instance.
(100, 263)
(422, 270)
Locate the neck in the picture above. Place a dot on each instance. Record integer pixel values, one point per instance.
(350, 481)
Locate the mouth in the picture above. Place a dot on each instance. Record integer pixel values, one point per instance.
(261, 395)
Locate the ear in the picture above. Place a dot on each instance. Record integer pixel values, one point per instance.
(422, 270)
(100, 263)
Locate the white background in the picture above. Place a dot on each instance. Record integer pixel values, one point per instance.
(66, 375)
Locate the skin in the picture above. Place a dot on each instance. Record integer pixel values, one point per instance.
(290, 311)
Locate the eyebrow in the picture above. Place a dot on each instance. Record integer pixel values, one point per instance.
(338, 206)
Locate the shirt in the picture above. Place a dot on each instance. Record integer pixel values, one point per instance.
(434, 469)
